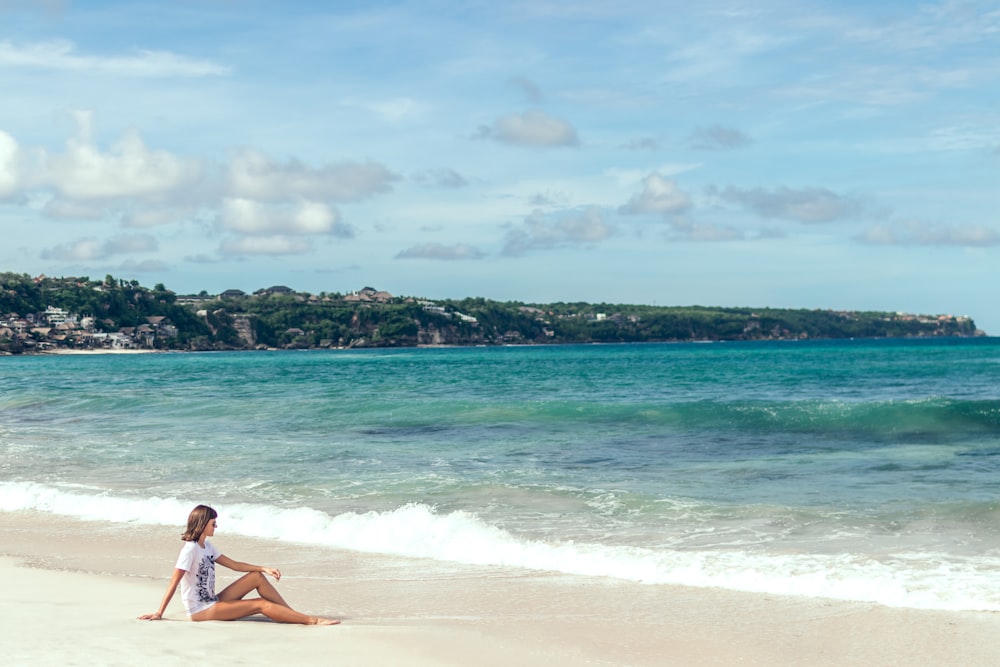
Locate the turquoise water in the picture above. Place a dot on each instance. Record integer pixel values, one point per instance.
(856, 469)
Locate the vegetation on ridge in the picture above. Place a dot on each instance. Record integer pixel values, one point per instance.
(42, 313)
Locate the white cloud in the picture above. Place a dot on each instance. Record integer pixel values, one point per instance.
(396, 109)
(130, 243)
(252, 175)
(146, 187)
(79, 250)
(61, 54)
(264, 245)
(548, 198)
(659, 195)
(717, 137)
(246, 216)
(931, 234)
(75, 209)
(720, 55)
(627, 179)
(129, 169)
(932, 26)
(704, 232)
(438, 251)
(531, 128)
(87, 249)
(811, 204)
(315, 218)
(539, 232)
(9, 172)
(155, 217)
(444, 178)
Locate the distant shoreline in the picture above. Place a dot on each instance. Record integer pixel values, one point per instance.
(56, 313)
(65, 352)
(70, 351)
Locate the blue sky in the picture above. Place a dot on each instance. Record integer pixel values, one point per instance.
(804, 154)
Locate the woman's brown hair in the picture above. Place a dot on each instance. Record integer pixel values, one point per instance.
(197, 522)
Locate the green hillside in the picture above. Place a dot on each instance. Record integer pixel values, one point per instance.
(43, 313)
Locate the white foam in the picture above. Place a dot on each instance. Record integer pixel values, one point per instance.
(99, 506)
(934, 581)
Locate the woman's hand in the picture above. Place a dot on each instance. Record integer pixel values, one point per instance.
(273, 572)
(151, 617)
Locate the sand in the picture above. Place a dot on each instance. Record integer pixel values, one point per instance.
(73, 590)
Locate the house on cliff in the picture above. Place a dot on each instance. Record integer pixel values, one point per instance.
(369, 294)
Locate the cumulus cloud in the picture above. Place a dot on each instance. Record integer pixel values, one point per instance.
(717, 137)
(441, 252)
(84, 181)
(539, 232)
(930, 234)
(246, 216)
(129, 169)
(811, 204)
(81, 249)
(254, 176)
(263, 245)
(659, 195)
(442, 178)
(61, 54)
(9, 170)
(143, 187)
(531, 128)
(261, 206)
(87, 249)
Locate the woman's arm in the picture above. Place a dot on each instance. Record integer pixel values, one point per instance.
(171, 588)
(226, 561)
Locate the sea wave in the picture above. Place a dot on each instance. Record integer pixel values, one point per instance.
(905, 579)
(893, 417)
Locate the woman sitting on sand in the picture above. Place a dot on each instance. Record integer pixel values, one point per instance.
(196, 574)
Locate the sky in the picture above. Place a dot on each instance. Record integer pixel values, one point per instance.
(790, 154)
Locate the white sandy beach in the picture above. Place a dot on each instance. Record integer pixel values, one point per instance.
(74, 590)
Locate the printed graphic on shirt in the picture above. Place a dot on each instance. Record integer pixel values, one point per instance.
(205, 583)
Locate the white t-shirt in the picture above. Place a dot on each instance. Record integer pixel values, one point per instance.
(198, 582)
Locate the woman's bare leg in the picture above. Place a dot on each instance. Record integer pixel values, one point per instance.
(230, 610)
(232, 606)
(249, 582)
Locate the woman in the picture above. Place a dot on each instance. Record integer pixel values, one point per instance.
(195, 572)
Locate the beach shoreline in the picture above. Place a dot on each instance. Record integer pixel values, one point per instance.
(67, 351)
(92, 579)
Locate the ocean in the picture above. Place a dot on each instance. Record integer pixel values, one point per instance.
(861, 470)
